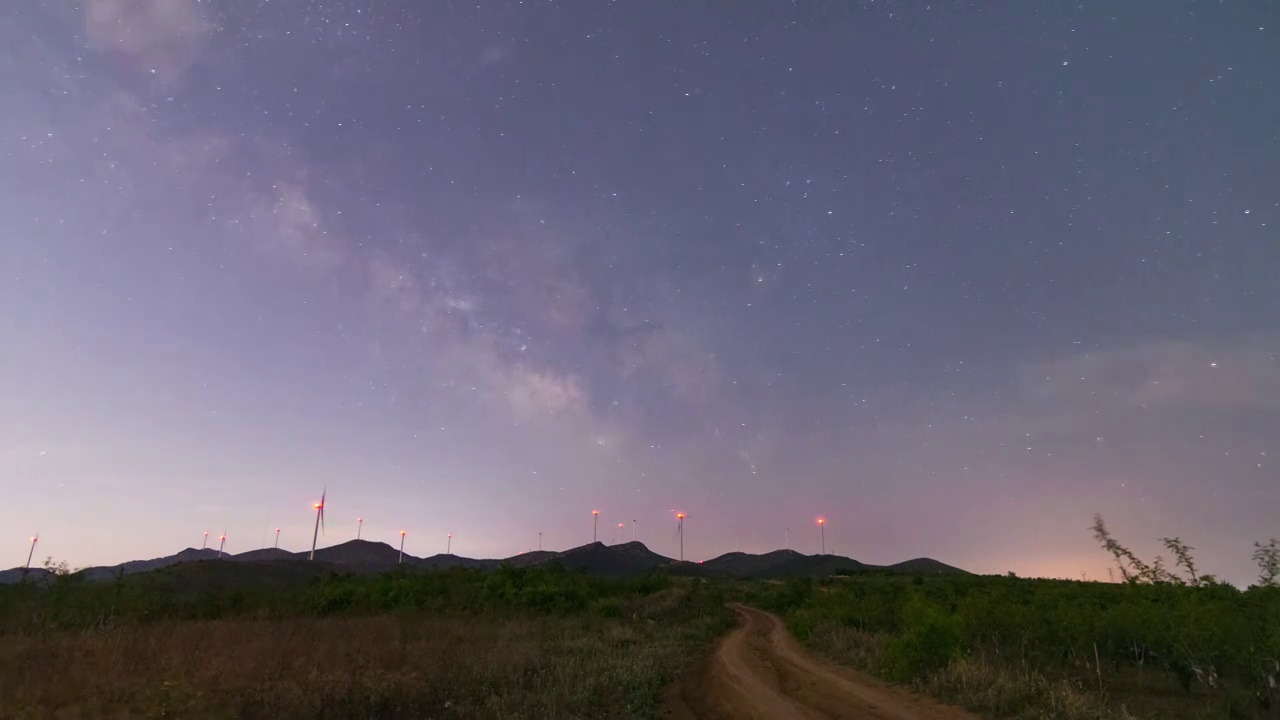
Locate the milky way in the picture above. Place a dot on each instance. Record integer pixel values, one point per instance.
(953, 277)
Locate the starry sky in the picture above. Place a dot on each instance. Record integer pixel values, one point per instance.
(953, 275)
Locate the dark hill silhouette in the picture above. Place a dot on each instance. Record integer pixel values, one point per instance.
(815, 566)
(196, 578)
(360, 555)
(445, 561)
(15, 575)
(138, 566)
(533, 557)
(740, 564)
(926, 566)
(629, 559)
(781, 564)
(264, 555)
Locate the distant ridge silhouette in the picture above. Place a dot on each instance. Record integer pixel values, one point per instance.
(628, 559)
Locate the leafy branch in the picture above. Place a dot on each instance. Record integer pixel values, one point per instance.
(1267, 558)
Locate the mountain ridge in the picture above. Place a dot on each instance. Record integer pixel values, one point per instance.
(627, 559)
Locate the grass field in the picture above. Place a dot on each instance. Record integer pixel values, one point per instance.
(1010, 647)
(519, 644)
(297, 640)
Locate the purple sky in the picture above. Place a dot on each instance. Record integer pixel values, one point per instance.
(953, 278)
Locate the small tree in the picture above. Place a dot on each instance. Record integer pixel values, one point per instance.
(1267, 558)
(1132, 569)
(59, 568)
(1182, 558)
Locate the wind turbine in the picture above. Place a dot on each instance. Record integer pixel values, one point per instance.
(448, 545)
(539, 542)
(633, 530)
(222, 543)
(277, 546)
(822, 529)
(401, 546)
(620, 538)
(595, 524)
(31, 553)
(205, 543)
(680, 531)
(319, 522)
(359, 526)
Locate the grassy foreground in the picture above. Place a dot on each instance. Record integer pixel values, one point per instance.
(190, 642)
(1009, 647)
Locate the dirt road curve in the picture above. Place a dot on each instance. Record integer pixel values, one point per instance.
(760, 671)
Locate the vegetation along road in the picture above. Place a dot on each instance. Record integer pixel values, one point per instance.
(760, 671)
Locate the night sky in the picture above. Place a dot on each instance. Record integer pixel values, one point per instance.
(954, 276)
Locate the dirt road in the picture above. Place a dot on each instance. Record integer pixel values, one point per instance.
(760, 671)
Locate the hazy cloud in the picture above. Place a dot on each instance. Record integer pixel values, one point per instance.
(161, 36)
(1241, 374)
(534, 392)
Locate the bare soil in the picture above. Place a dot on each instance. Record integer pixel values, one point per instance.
(760, 671)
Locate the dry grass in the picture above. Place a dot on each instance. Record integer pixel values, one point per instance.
(847, 645)
(385, 666)
(1001, 690)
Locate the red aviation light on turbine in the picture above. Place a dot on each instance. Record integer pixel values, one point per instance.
(679, 516)
(822, 521)
(402, 533)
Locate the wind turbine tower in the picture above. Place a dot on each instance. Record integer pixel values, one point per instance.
(595, 525)
(31, 553)
(401, 560)
(359, 526)
(205, 543)
(822, 530)
(448, 545)
(277, 545)
(680, 532)
(222, 544)
(315, 535)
